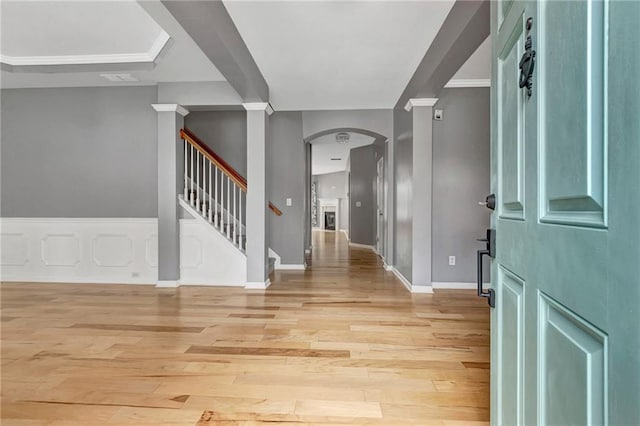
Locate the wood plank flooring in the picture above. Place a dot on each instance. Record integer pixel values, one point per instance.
(340, 343)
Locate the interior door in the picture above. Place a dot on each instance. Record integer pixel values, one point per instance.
(565, 336)
(380, 207)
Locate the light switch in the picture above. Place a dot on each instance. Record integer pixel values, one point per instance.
(289, 202)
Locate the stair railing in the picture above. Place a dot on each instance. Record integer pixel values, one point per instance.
(215, 189)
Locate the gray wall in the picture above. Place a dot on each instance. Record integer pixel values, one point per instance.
(461, 173)
(363, 186)
(286, 179)
(79, 152)
(335, 185)
(403, 139)
(332, 185)
(225, 132)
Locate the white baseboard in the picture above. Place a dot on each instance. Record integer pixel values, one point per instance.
(415, 289)
(167, 284)
(346, 234)
(454, 286)
(388, 267)
(401, 277)
(257, 285)
(421, 289)
(365, 246)
(290, 267)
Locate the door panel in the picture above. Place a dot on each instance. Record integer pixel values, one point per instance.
(511, 131)
(572, 140)
(511, 357)
(566, 173)
(572, 367)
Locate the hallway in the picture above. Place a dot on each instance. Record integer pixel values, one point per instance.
(342, 342)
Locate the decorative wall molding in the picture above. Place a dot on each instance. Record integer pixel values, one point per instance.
(468, 82)
(258, 106)
(114, 251)
(78, 250)
(171, 108)
(419, 102)
(149, 56)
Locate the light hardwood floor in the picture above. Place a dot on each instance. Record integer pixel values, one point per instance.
(342, 342)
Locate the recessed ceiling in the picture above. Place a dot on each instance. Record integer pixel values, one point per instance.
(70, 43)
(337, 55)
(325, 148)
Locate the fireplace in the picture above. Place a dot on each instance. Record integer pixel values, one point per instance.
(330, 221)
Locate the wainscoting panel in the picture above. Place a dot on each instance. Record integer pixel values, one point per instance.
(85, 250)
(118, 251)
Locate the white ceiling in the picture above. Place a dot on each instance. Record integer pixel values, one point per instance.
(325, 147)
(100, 33)
(337, 55)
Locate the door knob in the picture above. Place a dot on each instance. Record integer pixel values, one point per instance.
(489, 202)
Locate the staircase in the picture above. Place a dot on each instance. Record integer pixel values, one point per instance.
(215, 193)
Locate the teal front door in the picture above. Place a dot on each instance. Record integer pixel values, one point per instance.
(565, 337)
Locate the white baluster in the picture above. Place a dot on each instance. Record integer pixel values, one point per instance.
(240, 221)
(191, 198)
(228, 209)
(216, 217)
(186, 182)
(210, 190)
(235, 218)
(222, 176)
(198, 180)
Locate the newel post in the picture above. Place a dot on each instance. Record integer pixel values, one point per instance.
(170, 185)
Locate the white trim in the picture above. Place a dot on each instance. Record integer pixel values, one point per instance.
(421, 289)
(468, 82)
(388, 267)
(365, 246)
(454, 286)
(401, 277)
(171, 108)
(258, 106)
(257, 285)
(418, 102)
(291, 267)
(167, 284)
(414, 289)
(346, 234)
(116, 58)
(276, 256)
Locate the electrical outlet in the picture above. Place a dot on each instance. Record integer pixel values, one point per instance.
(452, 260)
(289, 202)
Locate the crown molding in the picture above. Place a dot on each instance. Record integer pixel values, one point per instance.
(258, 106)
(468, 82)
(117, 58)
(418, 102)
(171, 108)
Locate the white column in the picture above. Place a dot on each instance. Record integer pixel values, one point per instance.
(170, 185)
(256, 205)
(422, 192)
(390, 197)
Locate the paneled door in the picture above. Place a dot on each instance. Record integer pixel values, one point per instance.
(565, 331)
